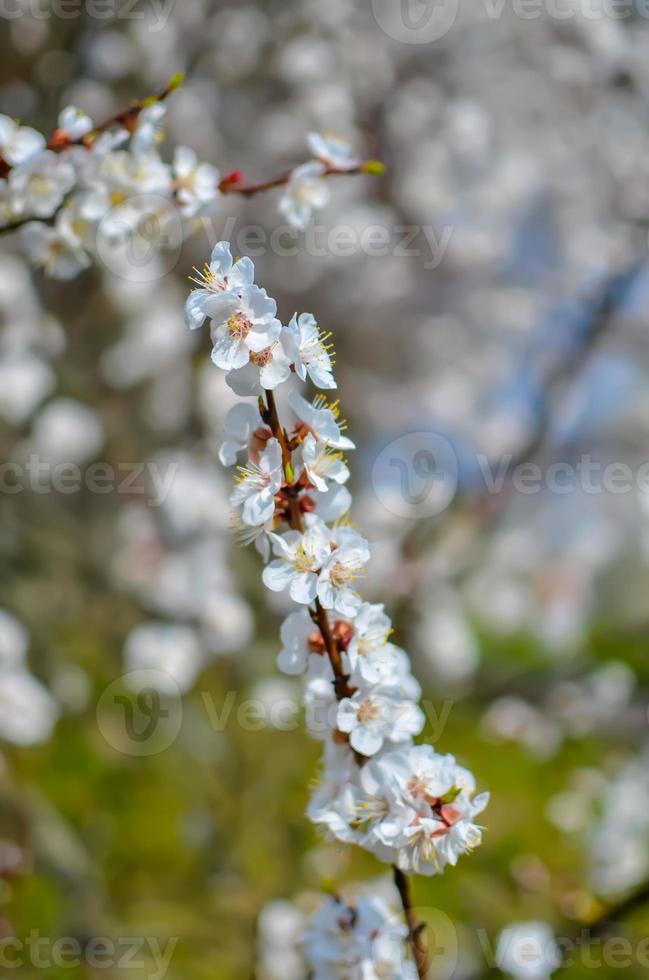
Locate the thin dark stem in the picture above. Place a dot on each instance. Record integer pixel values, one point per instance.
(295, 520)
(124, 116)
(415, 928)
(249, 190)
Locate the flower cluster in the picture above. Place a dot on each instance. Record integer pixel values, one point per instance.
(359, 939)
(408, 805)
(90, 189)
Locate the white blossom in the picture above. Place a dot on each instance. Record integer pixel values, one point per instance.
(310, 349)
(301, 556)
(321, 419)
(332, 150)
(242, 323)
(196, 184)
(296, 632)
(341, 570)
(321, 463)
(376, 714)
(40, 184)
(74, 122)
(241, 424)
(265, 370)
(222, 274)
(369, 644)
(257, 485)
(54, 250)
(18, 143)
(305, 192)
(359, 940)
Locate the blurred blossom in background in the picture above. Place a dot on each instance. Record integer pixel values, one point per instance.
(489, 300)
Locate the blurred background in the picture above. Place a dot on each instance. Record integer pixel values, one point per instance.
(498, 317)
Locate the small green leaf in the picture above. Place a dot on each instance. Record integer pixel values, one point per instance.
(451, 794)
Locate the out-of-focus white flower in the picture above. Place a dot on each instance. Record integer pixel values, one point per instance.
(40, 184)
(74, 122)
(18, 143)
(618, 842)
(149, 131)
(305, 192)
(167, 649)
(279, 927)
(528, 951)
(359, 940)
(196, 184)
(67, 431)
(28, 712)
(511, 718)
(25, 380)
(14, 641)
(54, 250)
(226, 622)
(332, 150)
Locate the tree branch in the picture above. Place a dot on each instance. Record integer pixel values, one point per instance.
(341, 680)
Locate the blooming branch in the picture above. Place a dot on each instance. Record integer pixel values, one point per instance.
(90, 189)
(409, 806)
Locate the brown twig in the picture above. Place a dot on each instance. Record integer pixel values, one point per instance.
(126, 116)
(226, 186)
(229, 186)
(415, 929)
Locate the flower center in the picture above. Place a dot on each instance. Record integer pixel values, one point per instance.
(239, 326)
(368, 711)
(262, 358)
(417, 787)
(302, 562)
(340, 575)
